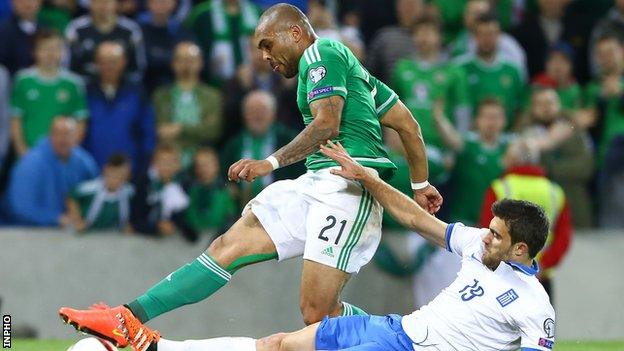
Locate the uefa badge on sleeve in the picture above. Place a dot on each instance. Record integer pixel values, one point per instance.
(318, 73)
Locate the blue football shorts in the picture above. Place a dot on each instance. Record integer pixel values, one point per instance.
(363, 333)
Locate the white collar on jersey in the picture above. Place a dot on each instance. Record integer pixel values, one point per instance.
(525, 269)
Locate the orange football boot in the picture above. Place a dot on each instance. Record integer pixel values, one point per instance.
(106, 323)
(117, 325)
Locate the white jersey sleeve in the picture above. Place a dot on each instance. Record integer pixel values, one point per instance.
(538, 330)
(463, 240)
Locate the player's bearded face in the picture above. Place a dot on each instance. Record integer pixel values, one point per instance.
(280, 51)
(497, 244)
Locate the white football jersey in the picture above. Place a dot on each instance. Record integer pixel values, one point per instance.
(504, 309)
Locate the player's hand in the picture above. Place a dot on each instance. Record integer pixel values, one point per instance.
(249, 170)
(348, 167)
(429, 199)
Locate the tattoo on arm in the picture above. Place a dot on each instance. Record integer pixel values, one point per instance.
(327, 113)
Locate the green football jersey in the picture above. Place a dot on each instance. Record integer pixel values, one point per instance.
(500, 79)
(420, 85)
(100, 208)
(613, 118)
(328, 68)
(36, 100)
(476, 167)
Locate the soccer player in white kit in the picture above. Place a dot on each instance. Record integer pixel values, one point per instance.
(495, 303)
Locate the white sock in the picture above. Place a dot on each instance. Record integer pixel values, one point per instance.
(217, 344)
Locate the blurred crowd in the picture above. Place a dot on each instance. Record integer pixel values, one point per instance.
(126, 114)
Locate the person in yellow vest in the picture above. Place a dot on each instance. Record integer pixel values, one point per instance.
(524, 179)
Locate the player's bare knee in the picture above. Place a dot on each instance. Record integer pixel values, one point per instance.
(312, 312)
(288, 342)
(270, 343)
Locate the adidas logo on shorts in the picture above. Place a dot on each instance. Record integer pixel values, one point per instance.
(328, 252)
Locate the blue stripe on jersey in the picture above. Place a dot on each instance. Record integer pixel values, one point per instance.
(449, 231)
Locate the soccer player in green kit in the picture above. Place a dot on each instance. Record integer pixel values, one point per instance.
(333, 222)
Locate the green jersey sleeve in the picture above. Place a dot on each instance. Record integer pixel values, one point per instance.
(385, 98)
(326, 71)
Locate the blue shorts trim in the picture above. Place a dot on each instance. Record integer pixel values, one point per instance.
(375, 332)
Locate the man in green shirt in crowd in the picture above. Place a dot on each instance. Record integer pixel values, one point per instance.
(104, 202)
(604, 94)
(43, 92)
(479, 158)
(223, 29)
(425, 79)
(490, 75)
(211, 204)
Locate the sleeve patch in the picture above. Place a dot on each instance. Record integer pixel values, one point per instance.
(319, 91)
(546, 343)
(318, 73)
(549, 327)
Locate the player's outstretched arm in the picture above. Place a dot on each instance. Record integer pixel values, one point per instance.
(401, 120)
(405, 210)
(325, 125)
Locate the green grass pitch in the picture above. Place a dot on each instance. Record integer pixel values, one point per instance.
(62, 345)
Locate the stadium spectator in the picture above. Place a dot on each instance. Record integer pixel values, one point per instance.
(223, 29)
(490, 75)
(18, 31)
(422, 80)
(612, 24)
(612, 186)
(392, 43)
(525, 180)
(604, 94)
(507, 47)
(479, 158)
(189, 112)
(254, 75)
(43, 92)
(104, 202)
(4, 116)
(57, 13)
(570, 162)
(325, 25)
(160, 202)
(41, 180)
(122, 118)
(559, 75)
(85, 34)
(211, 204)
(260, 137)
(553, 23)
(162, 32)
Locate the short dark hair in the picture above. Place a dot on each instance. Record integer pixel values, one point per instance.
(44, 34)
(117, 160)
(487, 18)
(427, 21)
(608, 37)
(166, 147)
(490, 101)
(526, 221)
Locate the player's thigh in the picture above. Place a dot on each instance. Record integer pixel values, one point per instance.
(343, 227)
(245, 238)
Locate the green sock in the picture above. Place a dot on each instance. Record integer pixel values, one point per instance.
(351, 310)
(189, 284)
